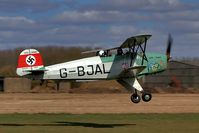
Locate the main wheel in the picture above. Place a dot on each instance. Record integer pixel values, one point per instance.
(135, 98)
(146, 96)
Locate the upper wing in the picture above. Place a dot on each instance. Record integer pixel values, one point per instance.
(135, 40)
(129, 42)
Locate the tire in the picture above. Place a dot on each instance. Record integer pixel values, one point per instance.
(146, 96)
(135, 98)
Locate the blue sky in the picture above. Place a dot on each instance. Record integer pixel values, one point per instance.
(100, 23)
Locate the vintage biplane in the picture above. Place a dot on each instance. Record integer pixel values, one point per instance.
(129, 63)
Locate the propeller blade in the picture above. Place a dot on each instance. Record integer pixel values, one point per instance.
(169, 46)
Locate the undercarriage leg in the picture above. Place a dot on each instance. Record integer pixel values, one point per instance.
(134, 86)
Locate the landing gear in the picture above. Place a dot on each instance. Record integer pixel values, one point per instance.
(146, 97)
(133, 85)
(135, 98)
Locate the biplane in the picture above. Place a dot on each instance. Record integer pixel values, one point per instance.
(125, 64)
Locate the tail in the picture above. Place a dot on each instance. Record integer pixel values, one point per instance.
(30, 62)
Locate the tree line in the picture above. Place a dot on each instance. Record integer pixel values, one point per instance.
(52, 55)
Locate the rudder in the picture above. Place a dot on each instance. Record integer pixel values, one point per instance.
(29, 60)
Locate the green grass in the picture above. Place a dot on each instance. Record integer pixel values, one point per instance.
(100, 123)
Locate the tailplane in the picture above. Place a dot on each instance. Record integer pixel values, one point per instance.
(30, 62)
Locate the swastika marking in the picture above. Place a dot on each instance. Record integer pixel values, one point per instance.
(30, 60)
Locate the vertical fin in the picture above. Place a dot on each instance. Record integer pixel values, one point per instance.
(29, 60)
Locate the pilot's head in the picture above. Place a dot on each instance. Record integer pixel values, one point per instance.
(101, 53)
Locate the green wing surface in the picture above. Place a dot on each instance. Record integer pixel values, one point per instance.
(135, 40)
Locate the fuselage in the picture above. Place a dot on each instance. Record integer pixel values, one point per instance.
(109, 67)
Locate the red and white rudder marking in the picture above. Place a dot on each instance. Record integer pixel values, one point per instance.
(29, 60)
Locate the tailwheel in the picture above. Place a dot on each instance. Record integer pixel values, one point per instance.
(146, 96)
(135, 98)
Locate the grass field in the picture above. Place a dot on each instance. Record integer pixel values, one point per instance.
(99, 123)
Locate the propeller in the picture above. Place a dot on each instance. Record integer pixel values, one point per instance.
(169, 46)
